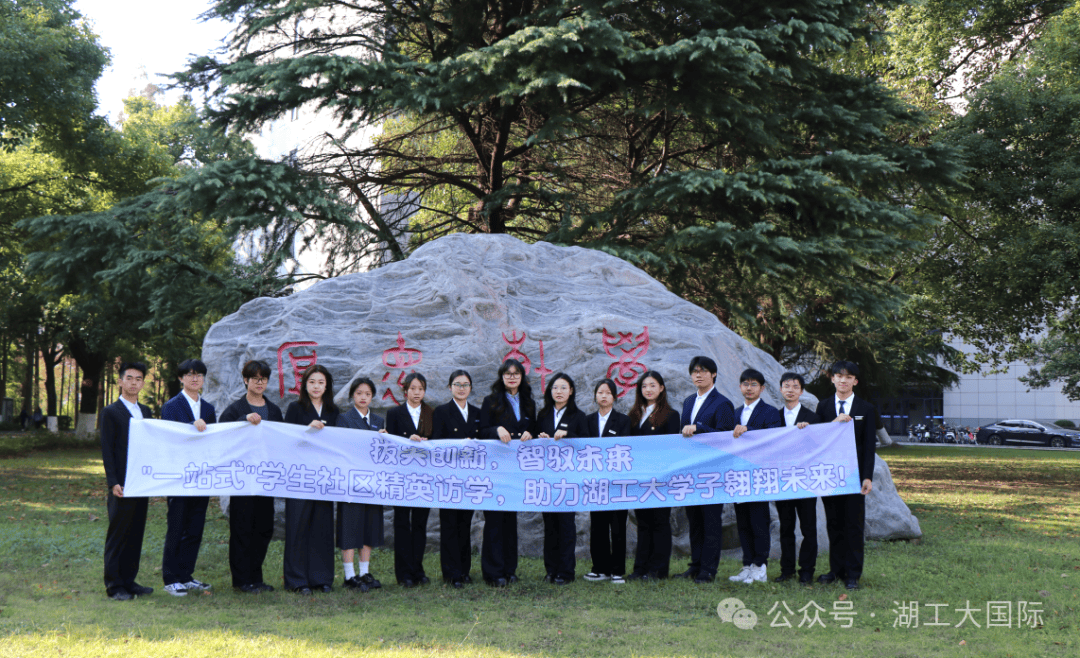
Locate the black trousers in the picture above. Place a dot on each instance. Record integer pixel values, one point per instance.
(251, 527)
(706, 538)
(653, 542)
(804, 510)
(607, 542)
(123, 541)
(499, 554)
(560, 540)
(752, 520)
(184, 523)
(410, 540)
(845, 521)
(455, 547)
(309, 543)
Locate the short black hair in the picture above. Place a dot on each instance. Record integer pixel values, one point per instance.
(458, 373)
(841, 367)
(255, 368)
(191, 365)
(752, 375)
(131, 365)
(704, 362)
(793, 376)
(610, 383)
(362, 380)
(412, 377)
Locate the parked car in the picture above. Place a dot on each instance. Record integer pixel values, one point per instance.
(1028, 432)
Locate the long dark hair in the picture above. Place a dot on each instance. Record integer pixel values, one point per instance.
(328, 395)
(498, 390)
(426, 420)
(549, 401)
(660, 413)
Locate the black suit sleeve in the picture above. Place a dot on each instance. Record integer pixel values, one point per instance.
(576, 426)
(868, 441)
(110, 438)
(235, 411)
(489, 424)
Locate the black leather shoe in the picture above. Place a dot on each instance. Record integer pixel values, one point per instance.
(702, 579)
(636, 576)
(249, 589)
(407, 584)
(356, 583)
(512, 579)
(121, 594)
(806, 578)
(851, 583)
(370, 581)
(424, 580)
(689, 574)
(325, 589)
(498, 582)
(784, 577)
(138, 590)
(303, 591)
(559, 580)
(263, 587)
(827, 578)
(467, 579)
(457, 583)
(549, 579)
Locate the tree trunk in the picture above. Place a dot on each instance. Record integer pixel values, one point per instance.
(28, 375)
(91, 363)
(52, 357)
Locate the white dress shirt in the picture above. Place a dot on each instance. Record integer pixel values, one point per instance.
(747, 412)
(464, 409)
(790, 415)
(194, 404)
(134, 409)
(414, 413)
(601, 421)
(645, 416)
(847, 404)
(697, 404)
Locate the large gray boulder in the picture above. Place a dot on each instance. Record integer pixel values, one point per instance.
(470, 301)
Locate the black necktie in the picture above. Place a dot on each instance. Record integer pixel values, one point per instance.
(842, 406)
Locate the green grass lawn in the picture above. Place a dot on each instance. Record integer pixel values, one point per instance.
(999, 526)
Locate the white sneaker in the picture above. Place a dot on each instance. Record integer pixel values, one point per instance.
(618, 580)
(196, 585)
(742, 575)
(595, 577)
(176, 589)
(758, 574)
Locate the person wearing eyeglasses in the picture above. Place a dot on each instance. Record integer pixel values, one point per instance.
(456, 419)
(251, 518)
(507, 413)
(186, 515)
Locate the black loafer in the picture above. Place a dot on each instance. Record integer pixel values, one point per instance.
(702, 579)
(249, 589)
(467, 579)
(512, 579)
(559, 580)
(783, 578)
(827, 578)
(121, 594)
(852, 583)
(325, 589)
(498, 582)
(689, 574)
(138, 590)
(457, 583)
(424, 580)
(303, 591)
(407, 584)
(370, 581)
(806, 578)
(549, 579)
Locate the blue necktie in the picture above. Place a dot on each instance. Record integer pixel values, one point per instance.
(842, 406)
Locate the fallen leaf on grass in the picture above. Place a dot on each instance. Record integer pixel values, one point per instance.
(843, 597)
(93, 518)
(963, 643)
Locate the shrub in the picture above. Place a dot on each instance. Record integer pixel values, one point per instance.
(1067, 424)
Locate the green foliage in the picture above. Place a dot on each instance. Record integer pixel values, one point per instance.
(1067, 424)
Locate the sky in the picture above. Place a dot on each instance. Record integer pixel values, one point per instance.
(155, 36)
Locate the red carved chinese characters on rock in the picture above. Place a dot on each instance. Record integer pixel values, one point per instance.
(298, 364)
(399, 358)
(515, 352)
(627, 350)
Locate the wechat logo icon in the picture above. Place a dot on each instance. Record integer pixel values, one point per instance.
(735, 611)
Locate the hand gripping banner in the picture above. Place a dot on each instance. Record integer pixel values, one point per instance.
(293, 461)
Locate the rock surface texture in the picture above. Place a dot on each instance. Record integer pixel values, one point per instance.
(471, 301)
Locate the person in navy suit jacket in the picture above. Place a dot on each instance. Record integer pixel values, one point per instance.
(360, 524)
(412, 420)
(803, 510)
(127, 515)
(845, 515)
(607, 531)
(706, 411)
(560, 419)
(507, 413)
(753, 518)
(456, 419)
(652, 415)
(186, 515)
(251, 518)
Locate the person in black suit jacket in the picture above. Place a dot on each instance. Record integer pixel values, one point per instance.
(360, 524)
(127, 516)
(507, 413)
(753, 518)
(706, 411)
(652, 415)
(309, 524)
(560, 419)
(251, 518)
(607, 533)
(456, 419)
(845, 516)
(803, 510)
(413, 420)
(186, 515)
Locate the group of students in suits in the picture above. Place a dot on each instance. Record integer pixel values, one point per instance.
(507, 413)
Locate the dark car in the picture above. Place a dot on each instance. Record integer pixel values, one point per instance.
(1028, 432)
